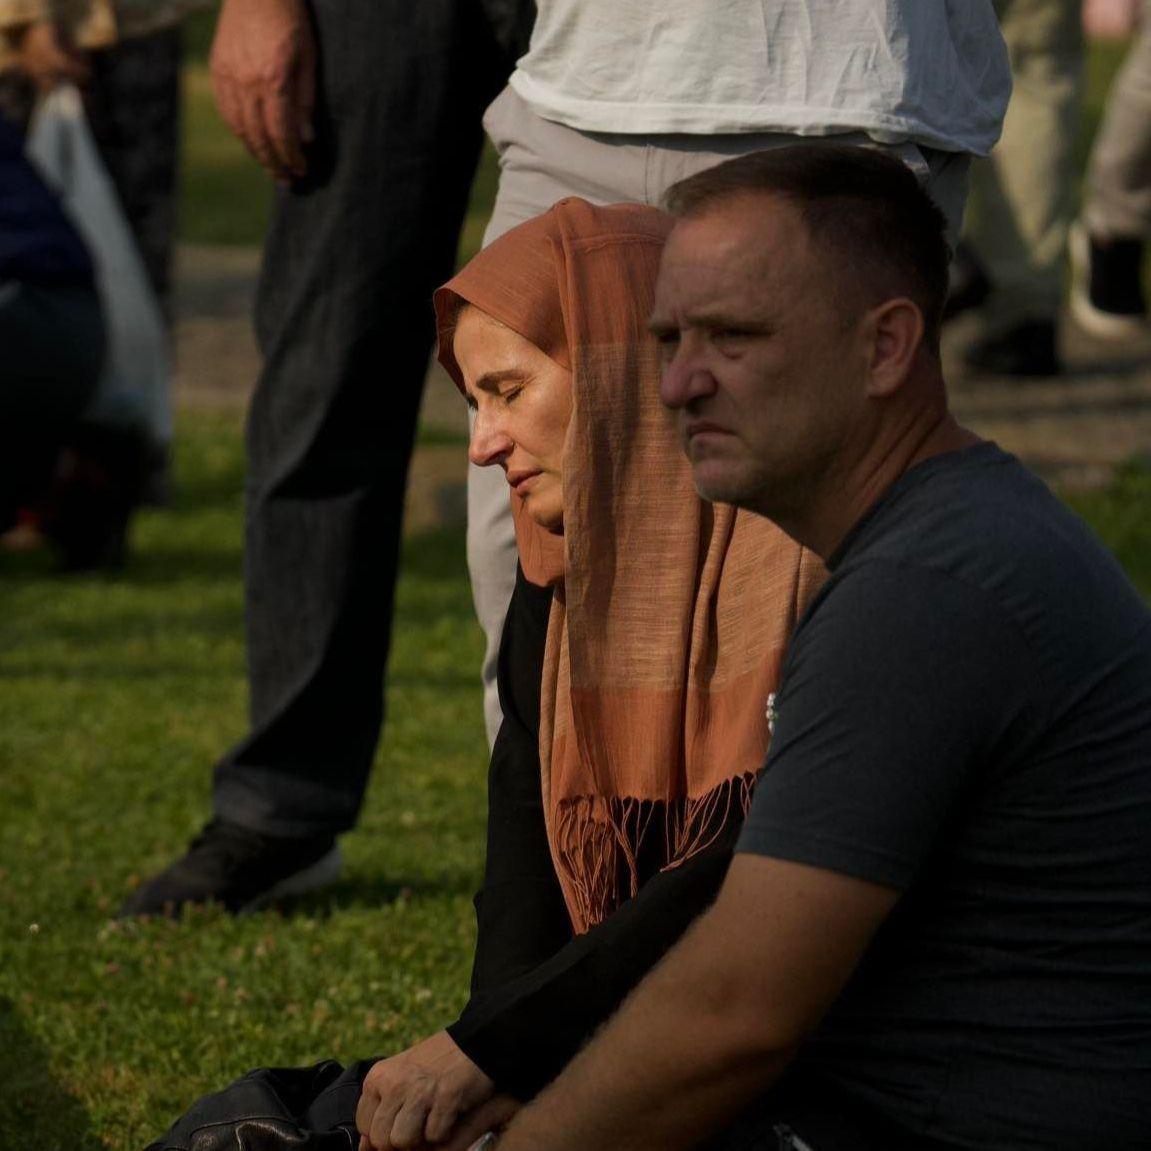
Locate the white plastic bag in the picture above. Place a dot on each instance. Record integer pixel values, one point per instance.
(134, 389)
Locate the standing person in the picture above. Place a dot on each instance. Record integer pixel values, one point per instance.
(367, 112)
(51, 330)
(936, 928)
(1023, 197)
(125, 56)
(616, 102)
(1107, 243)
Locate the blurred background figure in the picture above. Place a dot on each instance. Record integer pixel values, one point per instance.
(51, 330)
(125, 56)
(368, 115)
(1107, 242)
(1010, 265)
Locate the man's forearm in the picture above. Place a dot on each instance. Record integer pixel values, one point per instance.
(675, 1064)
(716, 1022)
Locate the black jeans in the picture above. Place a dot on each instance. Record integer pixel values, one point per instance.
(344, 320)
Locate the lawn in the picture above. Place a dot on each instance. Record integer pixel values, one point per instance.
(116, 695)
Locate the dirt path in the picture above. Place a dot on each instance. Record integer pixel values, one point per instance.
(1074, 429)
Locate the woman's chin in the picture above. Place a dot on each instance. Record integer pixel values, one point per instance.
(549, 518)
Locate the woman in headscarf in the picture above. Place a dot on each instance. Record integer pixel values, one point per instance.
(641, 647)
(643, 642)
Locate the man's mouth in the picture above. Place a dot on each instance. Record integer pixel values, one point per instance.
(702, 428)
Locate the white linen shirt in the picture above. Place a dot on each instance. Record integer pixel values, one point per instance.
(934, 72)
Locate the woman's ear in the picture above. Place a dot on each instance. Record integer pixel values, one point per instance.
(896, 330)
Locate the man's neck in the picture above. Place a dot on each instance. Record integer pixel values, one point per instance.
(826, 520)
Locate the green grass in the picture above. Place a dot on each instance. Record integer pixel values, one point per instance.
(116, 695)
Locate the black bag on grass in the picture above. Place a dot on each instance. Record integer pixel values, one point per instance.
(275, 1109)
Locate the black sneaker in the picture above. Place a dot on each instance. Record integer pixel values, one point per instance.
(1107, 297)
(239, 869)
(1028, 348)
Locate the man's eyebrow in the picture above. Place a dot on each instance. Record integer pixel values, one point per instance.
(659, 326)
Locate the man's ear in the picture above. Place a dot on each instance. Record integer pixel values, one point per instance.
(896, 329)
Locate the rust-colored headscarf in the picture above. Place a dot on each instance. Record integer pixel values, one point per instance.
(670, 615)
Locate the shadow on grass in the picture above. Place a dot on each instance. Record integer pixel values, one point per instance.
(367, 891)
(35, 1110)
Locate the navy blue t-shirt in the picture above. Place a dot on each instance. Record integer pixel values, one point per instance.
(38, 243)
(965, 716)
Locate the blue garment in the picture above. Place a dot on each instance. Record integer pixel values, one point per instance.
(38, 243)
(965, 717)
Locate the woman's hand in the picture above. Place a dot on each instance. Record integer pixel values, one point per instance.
(416, 1097)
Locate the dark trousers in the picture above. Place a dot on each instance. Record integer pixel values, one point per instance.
(344, 320)
(53, 341)
(133, 108)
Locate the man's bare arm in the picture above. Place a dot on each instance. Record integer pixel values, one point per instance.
(717, 1021)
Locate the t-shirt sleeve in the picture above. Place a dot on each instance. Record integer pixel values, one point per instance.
(901, 687)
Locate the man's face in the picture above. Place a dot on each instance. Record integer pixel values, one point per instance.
(764, 364)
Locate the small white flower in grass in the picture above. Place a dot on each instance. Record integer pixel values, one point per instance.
(33, 929)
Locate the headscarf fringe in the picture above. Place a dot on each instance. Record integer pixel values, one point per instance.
(598, 842)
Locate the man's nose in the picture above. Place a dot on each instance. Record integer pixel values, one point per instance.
(686, 377)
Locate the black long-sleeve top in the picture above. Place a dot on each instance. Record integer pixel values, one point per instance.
(538, 990)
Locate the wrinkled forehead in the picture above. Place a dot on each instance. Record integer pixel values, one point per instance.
(733, 255)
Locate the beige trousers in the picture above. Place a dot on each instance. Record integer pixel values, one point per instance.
(1119, 174)
(1023, 197)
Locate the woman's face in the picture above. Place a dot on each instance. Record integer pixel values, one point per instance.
(522, 403)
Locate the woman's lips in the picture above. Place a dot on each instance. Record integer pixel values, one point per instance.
(520, 480)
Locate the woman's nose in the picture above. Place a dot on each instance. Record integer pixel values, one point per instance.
(489, 442)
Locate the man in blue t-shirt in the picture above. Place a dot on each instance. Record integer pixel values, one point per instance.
(936, 930)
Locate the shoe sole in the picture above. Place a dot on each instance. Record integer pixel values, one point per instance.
(316, 876)
(1094, 321)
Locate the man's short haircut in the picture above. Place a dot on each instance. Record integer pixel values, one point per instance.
(865, 209)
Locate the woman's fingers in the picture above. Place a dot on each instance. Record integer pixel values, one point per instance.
(442, 1116)
(408, 1126)
(383, 1121)
(489, 1116)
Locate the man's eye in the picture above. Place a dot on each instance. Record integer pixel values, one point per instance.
(729, 341)
(668, 343)
(510, 395)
